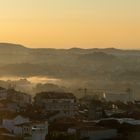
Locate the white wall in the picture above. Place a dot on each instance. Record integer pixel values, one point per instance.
(39, 131)
(11, 124)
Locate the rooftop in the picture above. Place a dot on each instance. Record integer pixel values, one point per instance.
(1, 88)
(56, 95)
(123, 120)
(3, 130)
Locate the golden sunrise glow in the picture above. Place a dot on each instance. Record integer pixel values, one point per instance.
(71, 23)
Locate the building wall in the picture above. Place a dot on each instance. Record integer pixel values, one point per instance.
(39, 135)
(66, 105)
(99, 135)
(3, 94)
(17, 131)
(11, 124)
(124, 97)
(36, 131)
(8, 124)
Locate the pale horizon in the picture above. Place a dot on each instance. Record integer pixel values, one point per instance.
(71, 23)
(74, 47)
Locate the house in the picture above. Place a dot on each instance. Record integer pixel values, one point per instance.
(85, 100)
(7, 105)
(22, 99)
(119, 96)
(80, 130)
(96, 110)
(97, 133)
(62, 126)
(35, 130)
(22, 127)
(10, 123)
(3, 93)
(57, 101)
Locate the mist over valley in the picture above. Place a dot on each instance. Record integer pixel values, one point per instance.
(106, 69)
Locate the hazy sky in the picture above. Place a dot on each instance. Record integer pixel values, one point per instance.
(71, 23)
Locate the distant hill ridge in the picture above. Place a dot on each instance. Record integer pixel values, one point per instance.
(109, 67)
(19, 46)
(11, 46)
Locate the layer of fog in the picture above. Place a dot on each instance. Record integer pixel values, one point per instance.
(33, 85)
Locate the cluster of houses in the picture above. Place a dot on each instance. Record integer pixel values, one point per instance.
(59, 115)
(51, 101)
(15, 123)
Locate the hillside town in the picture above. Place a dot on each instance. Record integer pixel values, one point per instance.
(61, 116)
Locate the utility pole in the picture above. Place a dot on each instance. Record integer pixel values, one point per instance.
(130, 93)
